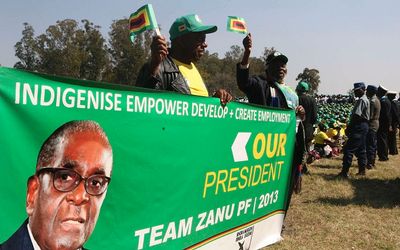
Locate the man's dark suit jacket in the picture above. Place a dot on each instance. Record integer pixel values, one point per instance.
(19, 240)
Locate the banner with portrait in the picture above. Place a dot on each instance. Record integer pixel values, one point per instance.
(187, 173)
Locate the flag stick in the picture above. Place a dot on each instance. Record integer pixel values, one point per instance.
(157, 30)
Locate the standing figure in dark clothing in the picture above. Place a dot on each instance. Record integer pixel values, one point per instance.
(375, 109)
(392, 144)
(385, 120)
(398, 111)
(310, 107)
(357, 132)
(272, 91)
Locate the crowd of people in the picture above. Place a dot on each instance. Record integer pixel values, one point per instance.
(330, 126)
(365, 126)
(372, 128)
(339, 99)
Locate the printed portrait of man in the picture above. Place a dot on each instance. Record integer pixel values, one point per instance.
(65, 194)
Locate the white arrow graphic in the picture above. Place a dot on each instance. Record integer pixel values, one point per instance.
(239, 146)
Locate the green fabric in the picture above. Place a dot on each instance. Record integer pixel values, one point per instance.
(169, 152)
(187, 24)
(303, 87)
(290, 95)
(236, 24)
(141, 20)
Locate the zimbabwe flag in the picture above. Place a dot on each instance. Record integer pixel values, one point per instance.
(143, 19)
(236, 24)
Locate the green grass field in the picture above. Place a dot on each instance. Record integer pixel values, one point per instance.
(358, 213)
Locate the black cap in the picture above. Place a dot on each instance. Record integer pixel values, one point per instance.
(382, 89)
(372, 88)
(391, 94)
(275, 56)
(359, 85)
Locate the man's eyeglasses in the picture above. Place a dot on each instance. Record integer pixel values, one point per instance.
(65, 180)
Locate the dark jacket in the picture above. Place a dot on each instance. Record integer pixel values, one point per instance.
(19, 240)
(398, 109)
(310, 107)
(169, 78)
(385, 118)
(257, 89)
(374, 113)
(395, 114)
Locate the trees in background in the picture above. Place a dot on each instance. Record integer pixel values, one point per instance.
(65, 49)
(221, 73)
(126, 57)
(26, 49)
(311, 76)
(79, 50)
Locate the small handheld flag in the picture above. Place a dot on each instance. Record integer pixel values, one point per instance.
(236, 24)
(143, 19)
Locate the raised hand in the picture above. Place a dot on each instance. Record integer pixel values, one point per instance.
(159, 50)
(247, 44)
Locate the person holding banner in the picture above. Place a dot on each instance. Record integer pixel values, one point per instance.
(66, 192)
(272, 91)
(173, 69)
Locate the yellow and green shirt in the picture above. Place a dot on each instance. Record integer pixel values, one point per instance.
(192, 77)
(320, 137)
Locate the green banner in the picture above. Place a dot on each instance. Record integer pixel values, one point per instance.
(187, 172)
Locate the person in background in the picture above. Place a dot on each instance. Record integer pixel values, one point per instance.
(398, 109)
(385, 121)
(174, 69)
(310, 109)
(392, 144)
(335, 133)
(356, 132)
(321, 140)
(375, 110)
